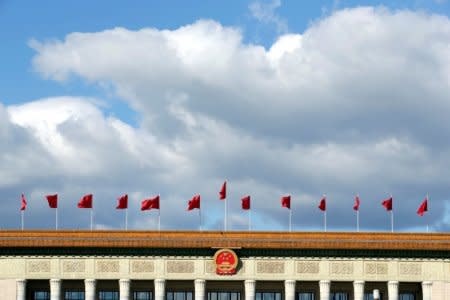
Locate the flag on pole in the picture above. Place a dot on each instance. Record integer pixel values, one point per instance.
(52, 200)
(423, 207)
(245, 203)
(122, 202)
(323, 204)
(23, 203)
(85, 201)
(387, 203)
(357, 202)
(151, 203)
(223, 191)
(194, 203)
(286, 201)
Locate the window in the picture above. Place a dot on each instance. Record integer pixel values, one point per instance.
(108, 295)
(41, 295)
(339, 296)
(305, 296)
(142, 295)
(74, 295)
(179, 295)
(406, 296)
(224, 296)
(268, 296)
(369, 296)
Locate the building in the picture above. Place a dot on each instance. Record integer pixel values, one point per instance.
(181, 265)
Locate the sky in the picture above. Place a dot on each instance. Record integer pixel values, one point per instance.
(276, 97)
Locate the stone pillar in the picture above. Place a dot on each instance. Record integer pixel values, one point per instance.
(358, 290)
(250, 289)
(324, 286)
(21, 289)
(124, 289)
(289, 289)
(89, 289)
(392, 290)
(55, 289)
(427, 287)
(199, 285)
(160, 289)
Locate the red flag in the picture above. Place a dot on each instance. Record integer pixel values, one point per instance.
(356, 206)
(286, 201)
(323, 204)
(86, 201)
(387, 204)
(194, 203)
(152, 203)
(52, 200)
(122, 202)
(246, 203)
(223, 191)
(423, 207)
(24, 203)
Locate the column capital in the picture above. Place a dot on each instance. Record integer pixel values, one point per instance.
(250, 288)
(55, 288)
(160, 288)
(393, 290)
(199, 286)
(358, 289)
(124, 288)
(324, 287)
(89, 288)
(427, 289)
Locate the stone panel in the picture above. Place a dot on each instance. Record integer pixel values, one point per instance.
(308, 267)
(107, 266)
(376, 268)
(174, 266)
(270, 267)
(344, 268)
(410, 269)
(142, 266)
(73, 266)
(38, 266)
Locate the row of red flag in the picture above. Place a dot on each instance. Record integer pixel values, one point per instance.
(153, 203)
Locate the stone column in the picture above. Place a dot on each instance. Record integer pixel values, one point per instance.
(89, 289)
(250, 289)
(358, 290)
(427, 287)
(199, 285)
(124, 289)
(160, 289)
(21, 289)
(55, 289)
(392, 290)
(289, 289)
(324, 286)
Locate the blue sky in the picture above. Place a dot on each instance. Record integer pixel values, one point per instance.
(277, 97)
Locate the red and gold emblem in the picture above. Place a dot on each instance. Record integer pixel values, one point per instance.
(226, 262)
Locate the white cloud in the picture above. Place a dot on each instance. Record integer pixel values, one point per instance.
(265, 12)
(356, 103)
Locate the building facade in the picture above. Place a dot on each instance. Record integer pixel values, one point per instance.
(175, 265)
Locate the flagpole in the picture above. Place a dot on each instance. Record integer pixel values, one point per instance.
(56, 218)
(392, 221)
(249, 220)
(325, 220)
(21, 218)
(159, 219)
(427, 217)
(290, 220)
(357, 220)
(226, 215)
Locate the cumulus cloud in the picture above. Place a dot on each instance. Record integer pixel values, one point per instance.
(265, 12)
(356, 103)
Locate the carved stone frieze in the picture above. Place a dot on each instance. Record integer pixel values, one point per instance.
(73, 266)
(142, 266)
(270, 267)
(210, 267)
(410, 269)
(38, 266)
(174, 266)
(376, 268)
(308, 267)
(107, 266)
(343, 268)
